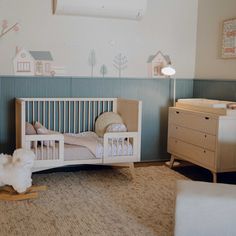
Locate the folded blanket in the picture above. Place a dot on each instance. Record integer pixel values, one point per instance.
(88, 139)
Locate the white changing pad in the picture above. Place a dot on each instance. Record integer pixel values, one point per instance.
(204, 102)
(208, 105)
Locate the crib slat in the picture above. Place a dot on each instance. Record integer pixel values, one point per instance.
(41, 150)
(38, 115)
(54, 116)
(36, 150)
(128, 141)
(33, 112)
(53, 152)
(69, 115)
(93, 116)
(64, 113)
(59, 116)
(84, 116)
(47, 150)
(49, 116)
(103, 106)
(79, 103)
(44, 113)
(89, 117)
(74, 114)
(27, 108)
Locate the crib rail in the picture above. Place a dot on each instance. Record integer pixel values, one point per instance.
(120, 147)
(66, 115)
(48, 149)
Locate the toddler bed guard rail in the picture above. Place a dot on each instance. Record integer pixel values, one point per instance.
(76, 116)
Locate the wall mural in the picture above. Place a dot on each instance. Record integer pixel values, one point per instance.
(41, 63)
(5, 28)
(156, 63)
(120, 62)
(103, 70)
(92, 61)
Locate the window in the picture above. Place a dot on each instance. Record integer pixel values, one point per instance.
(23, 66)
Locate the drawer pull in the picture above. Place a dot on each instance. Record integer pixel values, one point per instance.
(176, 127)
(177, 112)
(205, 135)
(207, 118)
(204, 151)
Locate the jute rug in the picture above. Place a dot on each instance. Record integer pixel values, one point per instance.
(96, 202)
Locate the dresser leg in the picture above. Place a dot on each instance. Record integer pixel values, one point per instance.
(172, 160)
(214, 177)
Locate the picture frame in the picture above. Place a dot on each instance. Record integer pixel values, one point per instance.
(229, 39)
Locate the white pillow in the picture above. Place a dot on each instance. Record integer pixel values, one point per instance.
(117, 127)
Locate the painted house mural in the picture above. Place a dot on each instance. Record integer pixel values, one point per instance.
(156, 63)
(33, 63)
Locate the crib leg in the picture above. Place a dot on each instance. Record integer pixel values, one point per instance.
(126, 165)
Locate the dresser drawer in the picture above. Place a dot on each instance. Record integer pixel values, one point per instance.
(200, 156)
(196, 121)
(197, 138)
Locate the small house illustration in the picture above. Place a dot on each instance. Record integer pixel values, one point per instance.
(156, 63)
(32, 62)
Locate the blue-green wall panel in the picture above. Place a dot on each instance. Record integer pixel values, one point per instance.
(155, 94)
(215, 89)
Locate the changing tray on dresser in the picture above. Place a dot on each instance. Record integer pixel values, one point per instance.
(203, 132)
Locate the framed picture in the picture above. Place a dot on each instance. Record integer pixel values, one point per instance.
(229, 39)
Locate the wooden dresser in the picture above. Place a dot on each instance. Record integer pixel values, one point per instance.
(203, 136)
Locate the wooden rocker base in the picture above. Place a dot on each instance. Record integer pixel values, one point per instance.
(9, 194)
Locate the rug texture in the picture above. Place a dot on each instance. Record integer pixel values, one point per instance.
(96, 202)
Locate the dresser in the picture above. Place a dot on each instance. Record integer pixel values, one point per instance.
(203, 136)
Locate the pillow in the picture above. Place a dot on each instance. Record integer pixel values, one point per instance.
(29, 129)
(43, 130)
(104, 120)
(116, 127)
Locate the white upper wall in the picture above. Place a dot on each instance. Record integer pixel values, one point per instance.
(169, 26)
(209, 64)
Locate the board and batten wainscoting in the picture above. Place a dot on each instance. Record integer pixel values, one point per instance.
(155, 94)
(215, 89)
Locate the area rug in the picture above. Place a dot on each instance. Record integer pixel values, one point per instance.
(96, 202)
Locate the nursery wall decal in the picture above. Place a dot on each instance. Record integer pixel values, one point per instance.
(92, 61)
(37, 63)
(156, 63)
(103, 70)
(120, 62)
(6, 29)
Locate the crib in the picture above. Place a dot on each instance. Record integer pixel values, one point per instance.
(75, 116)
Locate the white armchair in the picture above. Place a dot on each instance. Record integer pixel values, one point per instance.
(205, 209)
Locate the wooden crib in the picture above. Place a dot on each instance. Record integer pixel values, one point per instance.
(76, 115)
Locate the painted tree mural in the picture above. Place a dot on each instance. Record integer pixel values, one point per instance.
(6, 29)
(120, 63)
(92, 61)
(103, 70)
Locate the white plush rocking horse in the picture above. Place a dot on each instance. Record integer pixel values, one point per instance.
(16, 171)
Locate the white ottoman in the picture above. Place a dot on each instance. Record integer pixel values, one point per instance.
(207, 209)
